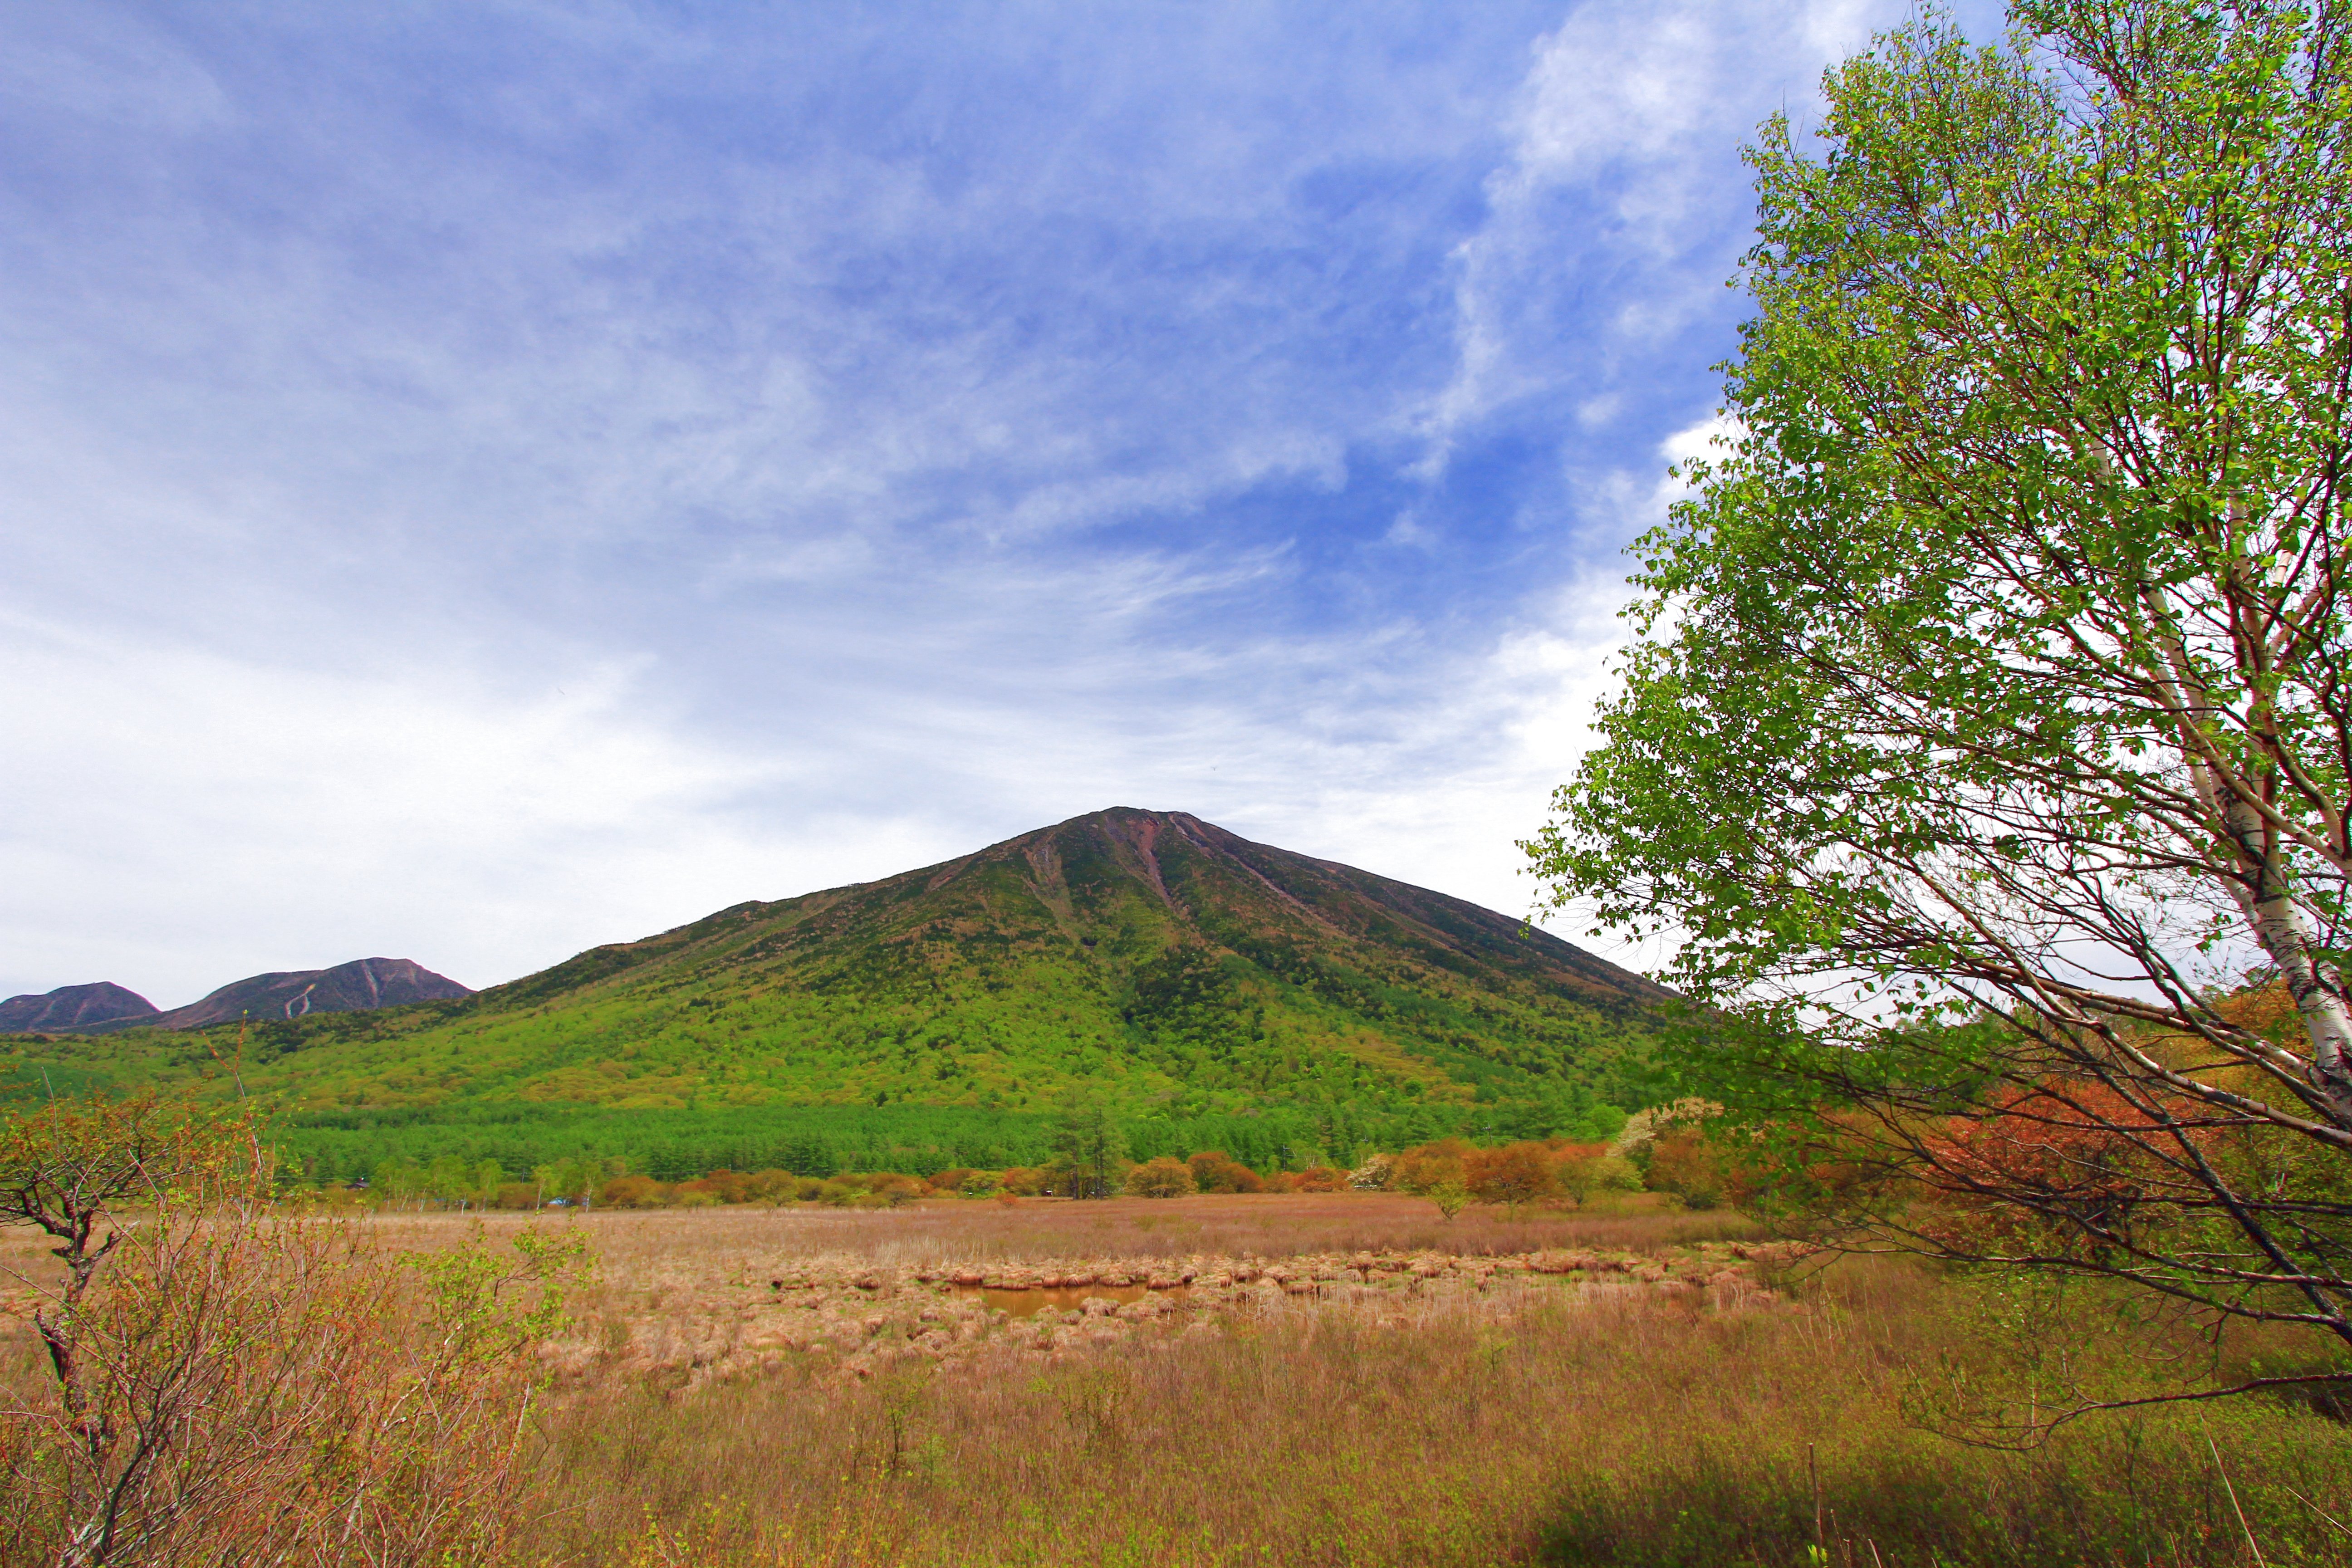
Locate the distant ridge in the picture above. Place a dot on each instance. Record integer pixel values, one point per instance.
(73, 1007)
(357, 986)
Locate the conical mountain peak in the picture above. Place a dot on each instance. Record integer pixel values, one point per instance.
(1149, 958)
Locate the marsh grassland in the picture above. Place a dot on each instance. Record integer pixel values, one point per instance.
(1325, 1379)
(1337, 1379)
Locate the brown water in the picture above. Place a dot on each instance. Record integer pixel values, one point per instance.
(1062, 1298)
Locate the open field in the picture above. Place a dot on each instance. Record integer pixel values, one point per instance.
(1336, 1379)
(1464, 1415)
(690, 1296)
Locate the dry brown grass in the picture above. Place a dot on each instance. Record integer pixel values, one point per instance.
(1602, 1425)
(652, 1242)
(1479, 1413)
(1475, 1417)
(689, 1296)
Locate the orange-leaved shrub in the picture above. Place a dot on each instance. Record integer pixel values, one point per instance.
(2065, 1166)
(1214, 1170)
(1684, 1163)
(1513, 1175)
(1028, 1181)
(633, 1193)
(1454, 1171)
(1161, 1178)
(1428, 1166)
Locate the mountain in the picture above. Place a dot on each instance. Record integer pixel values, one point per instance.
(1172, 968)
(362, 984)
(73, 1007)
(357, 986)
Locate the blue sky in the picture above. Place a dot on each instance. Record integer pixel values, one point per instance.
(481, 480)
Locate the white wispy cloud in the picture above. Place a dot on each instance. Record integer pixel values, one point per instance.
(1617, 165)
(478, 481)
(184, 813)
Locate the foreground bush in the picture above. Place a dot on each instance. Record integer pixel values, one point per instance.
(221, 1380)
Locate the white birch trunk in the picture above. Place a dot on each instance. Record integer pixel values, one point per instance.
(2279, 927)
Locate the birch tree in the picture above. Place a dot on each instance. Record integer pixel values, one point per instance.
(1983, 742)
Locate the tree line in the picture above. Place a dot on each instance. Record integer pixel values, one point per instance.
(1453, 1173)
(337, 1148)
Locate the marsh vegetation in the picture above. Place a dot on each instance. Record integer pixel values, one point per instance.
(1346, 1378)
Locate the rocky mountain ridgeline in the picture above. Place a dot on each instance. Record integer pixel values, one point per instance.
(105, 1007)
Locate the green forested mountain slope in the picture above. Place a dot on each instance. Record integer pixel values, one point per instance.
(1175, 969)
